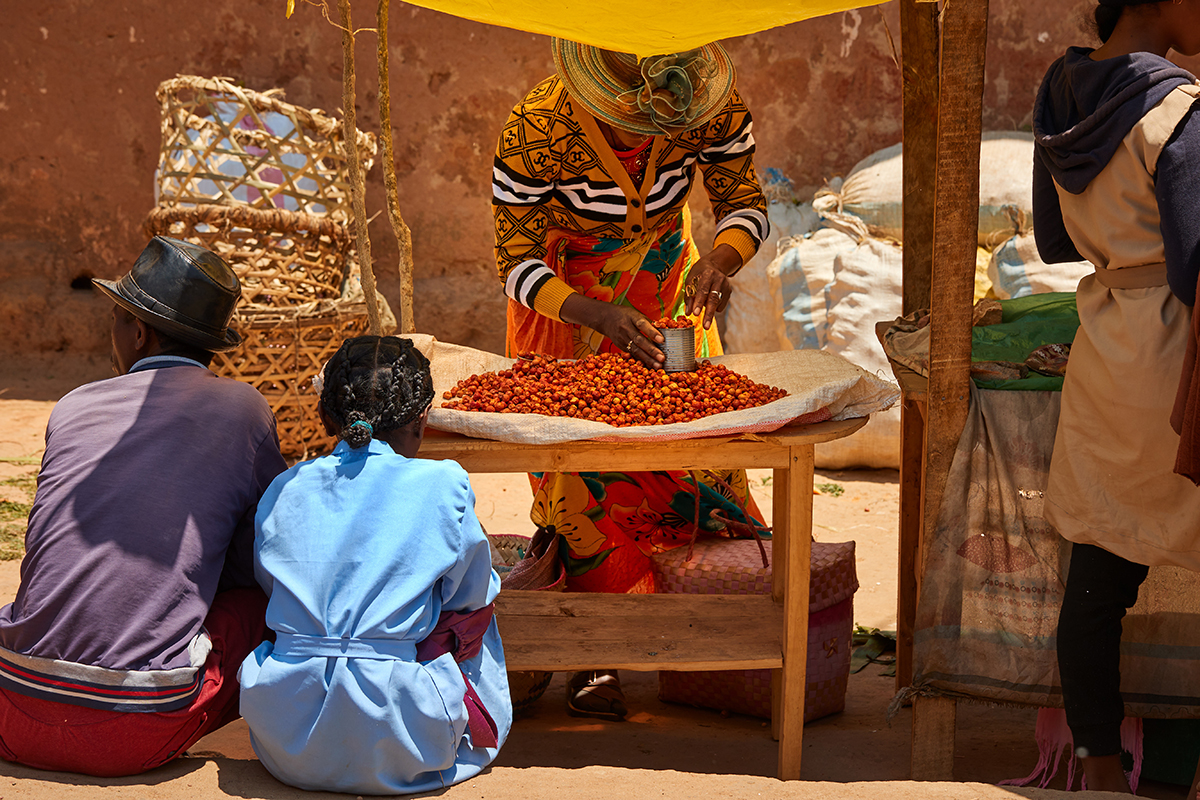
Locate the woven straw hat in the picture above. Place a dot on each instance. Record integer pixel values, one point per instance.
(655, 95)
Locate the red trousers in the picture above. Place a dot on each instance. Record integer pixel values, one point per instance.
(62, 737)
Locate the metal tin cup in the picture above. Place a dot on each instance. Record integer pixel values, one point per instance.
(680, 349)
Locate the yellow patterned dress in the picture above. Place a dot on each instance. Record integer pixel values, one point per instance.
(569, 217)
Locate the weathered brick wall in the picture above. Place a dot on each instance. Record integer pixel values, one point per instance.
(79, 129)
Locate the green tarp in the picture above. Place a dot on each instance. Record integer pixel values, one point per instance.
(1028, 323)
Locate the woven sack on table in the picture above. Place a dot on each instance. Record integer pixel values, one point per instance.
(282, 258)
(224, 144)
(540, 570)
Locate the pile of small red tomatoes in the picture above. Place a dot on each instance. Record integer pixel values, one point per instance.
(678, 322)
(611, 388)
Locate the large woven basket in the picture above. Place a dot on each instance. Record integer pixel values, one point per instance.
(733, 566)
(223, 144)
(281, 352)
(283, 258)
(510, 547)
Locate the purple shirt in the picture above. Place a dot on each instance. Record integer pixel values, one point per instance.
(145, 505)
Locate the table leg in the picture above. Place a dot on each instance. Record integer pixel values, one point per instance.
(795, 526)
(779, 516)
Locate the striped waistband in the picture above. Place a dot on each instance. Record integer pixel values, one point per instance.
(151, 690)
(1143, 276)
(298, 645)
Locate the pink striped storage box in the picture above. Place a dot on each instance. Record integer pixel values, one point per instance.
(734, 566)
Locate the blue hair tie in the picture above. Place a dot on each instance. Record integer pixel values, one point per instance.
(366, 425)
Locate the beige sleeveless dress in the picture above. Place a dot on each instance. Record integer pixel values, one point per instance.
(1111, 482)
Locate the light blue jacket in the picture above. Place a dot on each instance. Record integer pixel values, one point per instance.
(360, 551)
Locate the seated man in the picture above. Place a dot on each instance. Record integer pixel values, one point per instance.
(138, 600)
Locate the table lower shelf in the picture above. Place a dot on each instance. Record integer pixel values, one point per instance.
(557, 631)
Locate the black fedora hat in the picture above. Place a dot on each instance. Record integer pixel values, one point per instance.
(181, 289)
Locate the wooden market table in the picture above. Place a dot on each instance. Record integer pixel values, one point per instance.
(571, 632)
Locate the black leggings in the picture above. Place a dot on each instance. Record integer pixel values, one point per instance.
(1101, 587)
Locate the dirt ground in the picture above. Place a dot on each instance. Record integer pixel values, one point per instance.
(662, 750)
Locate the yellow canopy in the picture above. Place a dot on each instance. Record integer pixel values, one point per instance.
(641, 27)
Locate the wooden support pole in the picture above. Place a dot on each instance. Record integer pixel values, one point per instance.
(919, 72)
(933, 738)
(960, 122)
(399, 228)
(358, 189)
(956, 225)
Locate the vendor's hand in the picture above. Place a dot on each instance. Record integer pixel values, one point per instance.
(708, 288)
(626, 328)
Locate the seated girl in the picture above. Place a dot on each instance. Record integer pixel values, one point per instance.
(387, 674)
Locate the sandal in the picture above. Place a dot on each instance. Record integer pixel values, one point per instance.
(596, 694)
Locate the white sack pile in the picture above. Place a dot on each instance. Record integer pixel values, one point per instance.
(832, 278)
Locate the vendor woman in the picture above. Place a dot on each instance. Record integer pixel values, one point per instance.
(591, 182)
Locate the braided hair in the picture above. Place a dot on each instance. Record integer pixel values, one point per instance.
(1108, 12)
(374, 385)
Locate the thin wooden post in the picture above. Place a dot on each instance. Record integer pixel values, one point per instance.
(912, 492)
(956, 224)
(399, 228)
(358, 189)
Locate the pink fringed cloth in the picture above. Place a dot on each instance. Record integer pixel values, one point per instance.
(1054, 736)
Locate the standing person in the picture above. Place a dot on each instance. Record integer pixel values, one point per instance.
(387, 674)
(137, 600)
(1116, 181)
(591, 181)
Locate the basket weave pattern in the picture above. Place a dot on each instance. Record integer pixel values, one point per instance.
(223, 144)
(283, 259)
(281, 353)
(264, 184)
